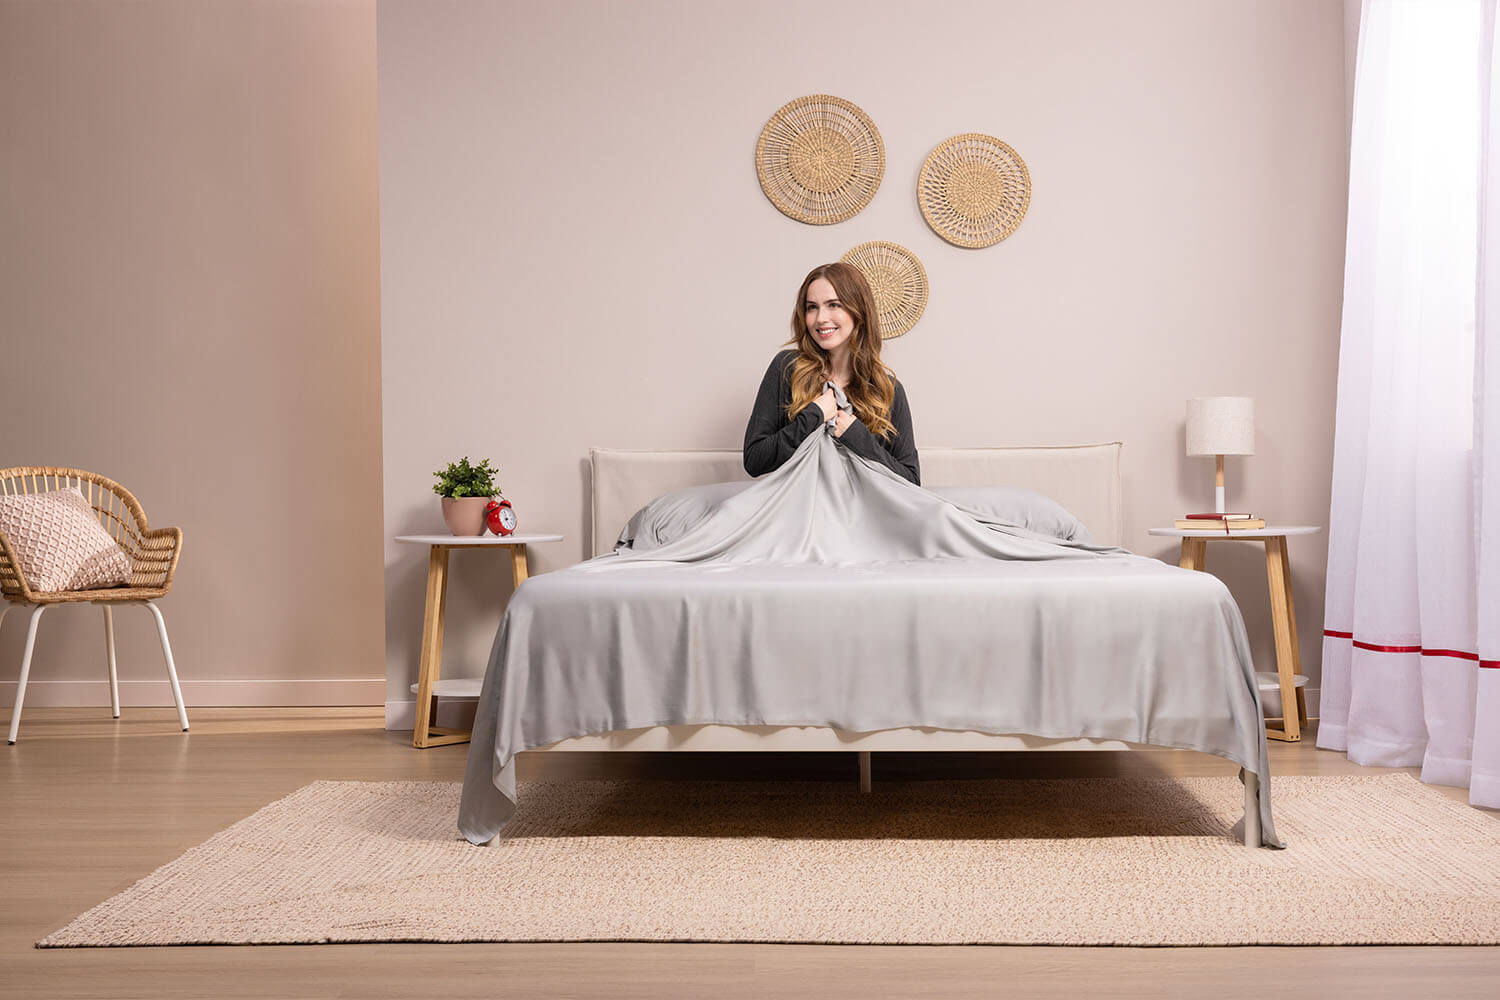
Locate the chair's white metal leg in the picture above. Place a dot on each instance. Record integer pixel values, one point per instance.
(15, 715)
(864, 771)
(5, 607)
(166, 649)
(114, 677)
(1252, 807)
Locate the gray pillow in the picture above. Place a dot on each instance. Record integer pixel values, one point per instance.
(1014, 505)
(672, 515)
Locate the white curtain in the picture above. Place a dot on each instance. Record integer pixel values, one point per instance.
(1412, 640)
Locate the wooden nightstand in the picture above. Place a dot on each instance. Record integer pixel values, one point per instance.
(429, 687)
(1288, 679)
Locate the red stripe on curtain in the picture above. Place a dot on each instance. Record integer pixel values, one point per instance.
(1388, 649)
(1334, 633)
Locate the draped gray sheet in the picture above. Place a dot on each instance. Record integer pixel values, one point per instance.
(833, 592)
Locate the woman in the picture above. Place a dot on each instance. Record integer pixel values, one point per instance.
(836, 333)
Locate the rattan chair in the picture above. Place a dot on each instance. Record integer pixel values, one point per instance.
(153, 560)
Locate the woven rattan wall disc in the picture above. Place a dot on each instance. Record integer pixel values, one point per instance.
(820, 159)
(974, 190)
(898, 280)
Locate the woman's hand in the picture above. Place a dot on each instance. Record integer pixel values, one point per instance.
(827, 404)
(841, 423)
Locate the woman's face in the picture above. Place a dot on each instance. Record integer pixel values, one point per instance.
(828, 322)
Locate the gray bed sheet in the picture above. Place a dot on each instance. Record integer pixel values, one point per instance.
(834, 593)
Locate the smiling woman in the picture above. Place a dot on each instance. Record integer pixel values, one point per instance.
(833, 375)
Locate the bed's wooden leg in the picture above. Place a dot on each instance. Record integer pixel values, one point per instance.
(1252, 807)
(864, 771)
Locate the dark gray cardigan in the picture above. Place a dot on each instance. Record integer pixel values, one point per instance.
(770, 438)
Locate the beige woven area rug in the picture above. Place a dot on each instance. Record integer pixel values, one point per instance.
(1127, 861)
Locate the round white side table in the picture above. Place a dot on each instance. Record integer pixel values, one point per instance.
(429, 686)
(1288, 678)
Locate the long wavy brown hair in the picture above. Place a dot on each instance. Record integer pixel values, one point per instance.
(872, 386)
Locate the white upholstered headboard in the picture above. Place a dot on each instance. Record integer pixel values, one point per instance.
(1083, 478)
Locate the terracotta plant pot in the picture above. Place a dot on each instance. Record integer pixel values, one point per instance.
(464, 515)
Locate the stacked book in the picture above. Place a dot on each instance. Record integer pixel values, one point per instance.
(1221, 522)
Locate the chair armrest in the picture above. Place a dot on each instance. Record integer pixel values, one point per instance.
(156, 560)
(12, 580)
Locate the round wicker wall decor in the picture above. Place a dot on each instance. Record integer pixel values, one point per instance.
(820, 159)
(898, 280)
(974, 190)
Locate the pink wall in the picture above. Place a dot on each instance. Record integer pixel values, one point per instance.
(575, 251)
(189, 300)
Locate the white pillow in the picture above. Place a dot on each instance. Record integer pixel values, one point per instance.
(1013, 505)
(59, 542)
(672, 515)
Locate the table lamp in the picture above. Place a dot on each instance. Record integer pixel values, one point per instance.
(1219, 426)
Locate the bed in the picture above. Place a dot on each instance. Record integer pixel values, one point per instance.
(689, 706)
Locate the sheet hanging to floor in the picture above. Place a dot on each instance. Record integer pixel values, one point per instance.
(832, 592)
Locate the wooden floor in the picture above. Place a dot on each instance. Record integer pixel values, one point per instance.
(88, 805)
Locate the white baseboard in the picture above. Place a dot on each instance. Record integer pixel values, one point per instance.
(458, 713)
(402, 715)
(259, 693)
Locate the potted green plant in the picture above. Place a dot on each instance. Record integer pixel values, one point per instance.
(465, 490)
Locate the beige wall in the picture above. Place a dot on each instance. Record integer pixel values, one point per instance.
(189, 300)
(1353, 11)
(576, 251)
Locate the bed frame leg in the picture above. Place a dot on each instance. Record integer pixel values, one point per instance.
(864, 771)
(1252, 807)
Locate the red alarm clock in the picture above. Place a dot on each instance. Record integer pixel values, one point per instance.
(500, 516)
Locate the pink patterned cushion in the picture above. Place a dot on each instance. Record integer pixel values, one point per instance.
(60, 543)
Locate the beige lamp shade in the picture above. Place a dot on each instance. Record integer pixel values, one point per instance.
(1221, 425)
